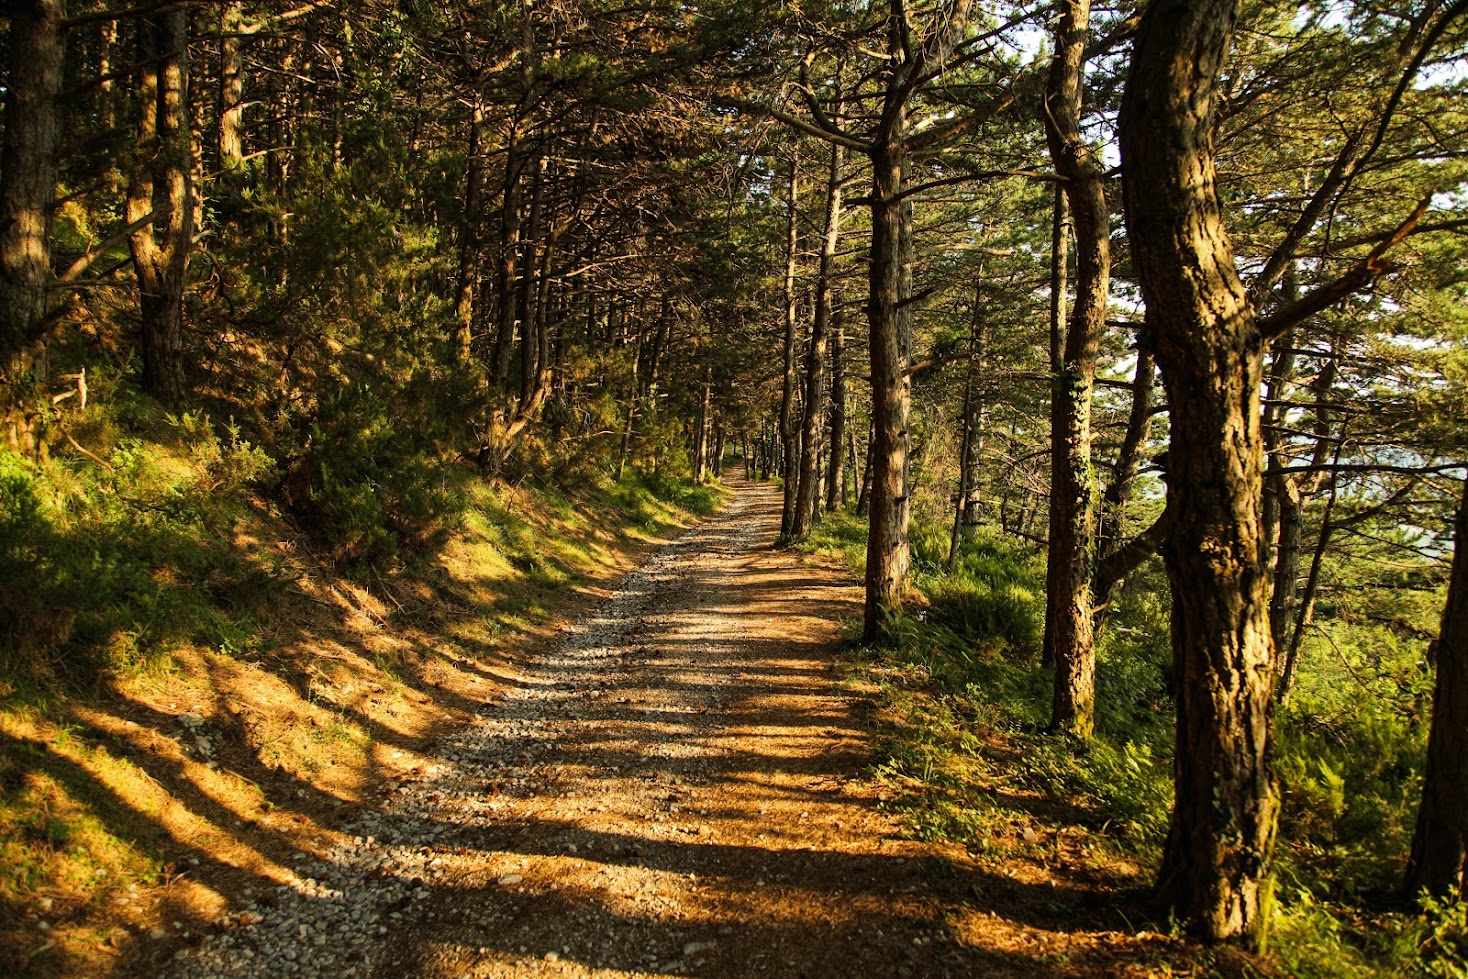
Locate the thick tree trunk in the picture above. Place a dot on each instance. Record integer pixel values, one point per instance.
(888, 553)
(788, 424)
(1071, 558)
(1439, 861)
(231, 108)
(807, 493)
(28, 161)
(1215, 868)
(161, 184)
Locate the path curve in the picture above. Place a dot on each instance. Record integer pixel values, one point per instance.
(674, 788)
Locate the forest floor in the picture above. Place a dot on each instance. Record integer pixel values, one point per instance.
(680, 784)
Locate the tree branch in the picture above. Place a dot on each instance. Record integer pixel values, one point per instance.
(794, 122)
(75, 269)
(1357, 278)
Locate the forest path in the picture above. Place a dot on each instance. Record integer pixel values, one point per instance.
(675, 787)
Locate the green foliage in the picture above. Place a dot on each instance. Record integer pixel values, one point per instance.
(369, 486)
(1127, 785)
(120, 563)
(993, 599)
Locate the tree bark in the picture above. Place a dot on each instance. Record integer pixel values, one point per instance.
(789, 428)
(1109, 572)
(864, 494)
(1205, 335)
(28, 162)
(1060, 235)
(836, 478)
(1073, 492)
(1439, 861)
(807, 493)
(469, 237)
(161, 184)
(971, 438)
(231, 134)
(888, 552)
(506, 278)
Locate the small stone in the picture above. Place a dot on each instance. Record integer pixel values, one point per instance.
(552, 956)
(509, 879)
(1030, 836)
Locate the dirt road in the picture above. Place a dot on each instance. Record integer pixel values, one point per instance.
(677, 788)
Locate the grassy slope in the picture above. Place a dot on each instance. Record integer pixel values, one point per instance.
(243, 699)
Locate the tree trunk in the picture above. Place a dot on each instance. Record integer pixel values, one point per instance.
(971, 437)
(508, 264)
(1290, 564)
(28, 162)
(161, 184)
(701, 433)
(1118, 493)
(807, 493)
(864, 495)
(231, 109)
(789, 430)
(527, 312)
(469, 243)
(836, 479)
(1439, 861)
(634, 392)
(1215, 868)
(1060, 234)
(1073, 478)
(888, 552)
(965, 474)
(1289, 613)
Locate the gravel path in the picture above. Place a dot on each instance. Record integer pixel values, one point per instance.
(672, 789)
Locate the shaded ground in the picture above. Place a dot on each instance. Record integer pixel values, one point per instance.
(677, 787)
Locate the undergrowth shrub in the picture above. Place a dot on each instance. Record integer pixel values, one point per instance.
(119, 561)
(370, 489)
